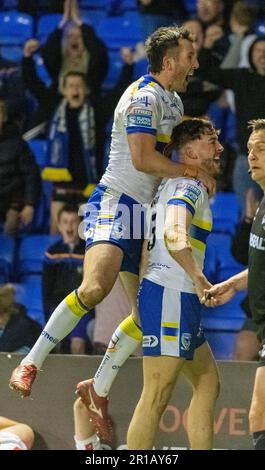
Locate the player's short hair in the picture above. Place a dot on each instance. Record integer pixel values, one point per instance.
(257, 125)
(161, 41)
(188, 131)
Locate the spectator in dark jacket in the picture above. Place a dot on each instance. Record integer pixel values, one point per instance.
(19, 176)
(18, 332)
(11, 88)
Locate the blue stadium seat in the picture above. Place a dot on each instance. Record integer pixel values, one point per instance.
(40, 221)
(13, 53)
(230, 131)
(93, 17)
(114, 69)
(15, 28)
(223, 119)
(221, 325)
(227, 317)
(31, 253)
(210, 263)
(41, 70)
(226, 212)
(260, 28)
(140, 68)
(29, 294)
(226, 265)
(10, 4)
(191, 6)
(93, 3)
(129, 5)
(7, 255)
(222, 344)
(119, 32)
(39, 148)
(47, 24)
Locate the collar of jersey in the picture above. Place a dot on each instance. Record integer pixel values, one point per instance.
(149, 78)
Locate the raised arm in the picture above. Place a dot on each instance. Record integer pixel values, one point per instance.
(146, 158)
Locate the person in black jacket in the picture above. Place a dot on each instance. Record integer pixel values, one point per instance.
(19, 176)
(18, 332)
(11, 88)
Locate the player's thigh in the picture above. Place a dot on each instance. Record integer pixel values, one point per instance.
(202, 371)
(101, 266)
(160, 375)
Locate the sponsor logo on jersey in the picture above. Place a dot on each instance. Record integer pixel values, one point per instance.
(189, 191)
(185, 341)
(150, 341)
(141, 111)
(139, 120)
(141, 99)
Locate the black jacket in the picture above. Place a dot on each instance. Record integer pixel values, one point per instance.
(248, 87)
(19, 173)
(20, 331)
(200, 94)
(11, 87)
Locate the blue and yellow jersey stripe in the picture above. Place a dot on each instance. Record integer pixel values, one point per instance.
(182, 200)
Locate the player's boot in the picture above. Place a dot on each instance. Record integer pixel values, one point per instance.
(22, 379)
(98, 410)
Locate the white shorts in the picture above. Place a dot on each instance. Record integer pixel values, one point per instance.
(9, 441)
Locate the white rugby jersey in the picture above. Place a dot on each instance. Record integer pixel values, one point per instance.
(162, 268)
(145, 107)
